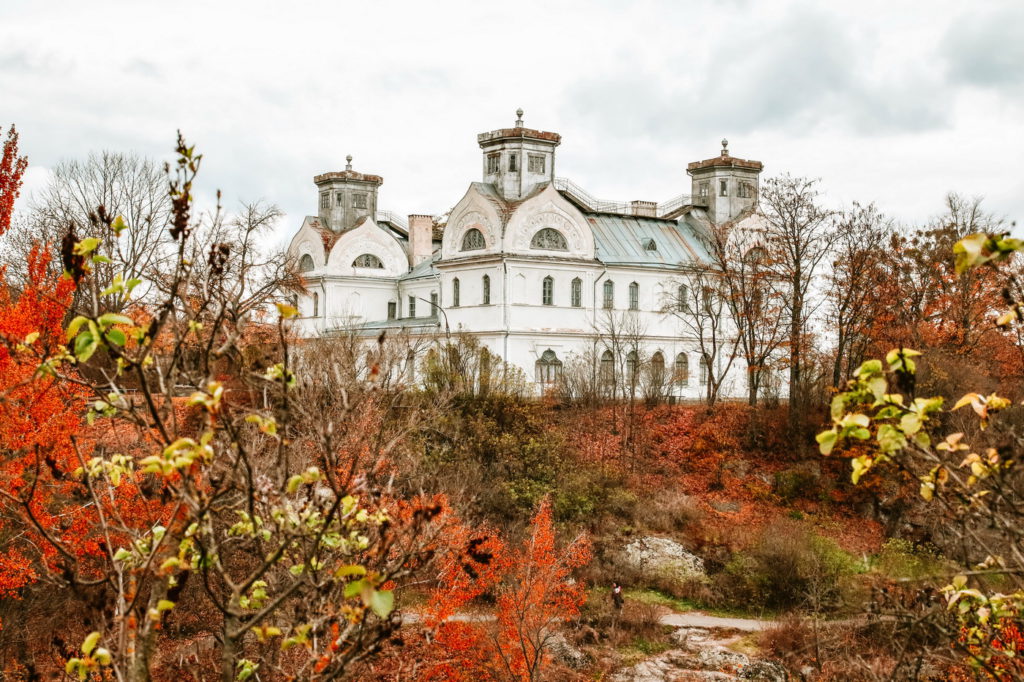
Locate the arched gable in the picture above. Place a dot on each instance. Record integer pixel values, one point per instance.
(309, 241)
(549, 210)
(367, 238)
(473, 212)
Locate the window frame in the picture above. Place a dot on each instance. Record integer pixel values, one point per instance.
(682, 369)
(493, 163)
(536, 163)
(392, 310)
(472, 233)
(513, 163)
(412, 306)
(547, 295)
(608, 297)
(577, 293)
(485, 283)
(456, 291)
(541, 237)
(634, 296)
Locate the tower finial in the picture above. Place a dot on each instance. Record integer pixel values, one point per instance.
(519, 119)
(725, 147)
(348, 164)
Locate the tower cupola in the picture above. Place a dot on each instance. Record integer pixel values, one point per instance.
(346, 197)
(517, 159)
(726, 186)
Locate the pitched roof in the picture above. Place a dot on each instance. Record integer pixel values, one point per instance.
(624, 240)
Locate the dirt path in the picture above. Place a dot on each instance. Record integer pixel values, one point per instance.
(696, 619)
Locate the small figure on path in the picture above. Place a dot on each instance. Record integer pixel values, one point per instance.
(617, 595)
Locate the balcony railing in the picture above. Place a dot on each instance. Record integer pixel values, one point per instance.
(637, 208)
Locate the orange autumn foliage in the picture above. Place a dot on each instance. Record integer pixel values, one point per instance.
(534, 593)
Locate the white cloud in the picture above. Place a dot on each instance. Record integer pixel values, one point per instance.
(882, 102)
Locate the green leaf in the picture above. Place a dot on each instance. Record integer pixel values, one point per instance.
(85, 346)
(116, 337)
(382, 602)
(122, 554)
(164, 605)
(827, 441)
(967, 251)
(75, 325)
(118, 226)
(346, 571)
(90, 643)
(87, 246)
(355, 588)
(287, 311)
(113, 318)
(890, 438)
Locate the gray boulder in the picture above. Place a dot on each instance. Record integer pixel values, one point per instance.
(653, 555)
(765, 671)
(565, 653)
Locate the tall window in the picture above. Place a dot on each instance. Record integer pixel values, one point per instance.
(548, 367)
(412, 306)
(658, 369)
(455, 292)
(433, 303)
(325, 200)
(548, 293)
(316, 304)
(683, 299)
(607, 367)
(513, 163)
(632, 367)
(492, 163)
(392, 310)
(703, 370)
(634, 296)
(577, 292)
(306, 263)
(708, 300)
(367, 260)
(609, 294)
(682, 369)
(487, 290)
(549, 239)
(339, 199)
(473, 241)
(723, 189)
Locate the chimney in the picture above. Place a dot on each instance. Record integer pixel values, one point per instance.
(421, 238)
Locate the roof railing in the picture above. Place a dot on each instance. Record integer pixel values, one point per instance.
(640, 208)
(393, 218)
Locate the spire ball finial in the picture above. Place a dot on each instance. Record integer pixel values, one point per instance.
(519, 117)
(348, 164)
(725, 147)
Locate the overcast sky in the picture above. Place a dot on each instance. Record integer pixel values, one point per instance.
(895, 103)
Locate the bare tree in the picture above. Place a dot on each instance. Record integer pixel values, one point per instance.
(86, 197)
(700, 301)
(799, 237)
(856, 270)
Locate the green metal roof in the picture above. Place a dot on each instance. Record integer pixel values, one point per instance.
(624, 240)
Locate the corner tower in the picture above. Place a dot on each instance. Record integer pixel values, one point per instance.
(516, 159)
(725, 185)
(346, 197)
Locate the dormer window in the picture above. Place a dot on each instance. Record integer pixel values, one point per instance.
(359, 201)
(492, 163)
(513, 163)
(723, 190)
(549, 239)
(536, 162)
(473, 241)
(368, 260)
(650, 245)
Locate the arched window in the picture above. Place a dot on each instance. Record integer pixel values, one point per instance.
(487, 290)
(474, 240)
(683, 299)
(607, 367)
(658, 369)
(755, 256)
(634, 296)
(548, 367)
(306, 263)
(316, 304)
(455, 292)
(703, 370)
(367, 260)
(577, 292)
(632, 367)
(609, 294)
(548, 291)
(682, 369)
(549, 239)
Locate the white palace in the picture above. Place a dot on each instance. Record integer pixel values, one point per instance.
(526, 261)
